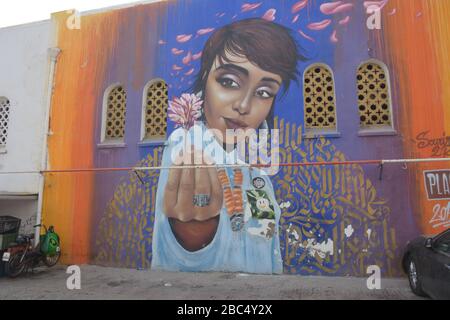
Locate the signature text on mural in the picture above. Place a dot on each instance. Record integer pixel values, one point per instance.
(441, 216)
(440, 147)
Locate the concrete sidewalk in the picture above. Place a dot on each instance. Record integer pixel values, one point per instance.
(110, 283)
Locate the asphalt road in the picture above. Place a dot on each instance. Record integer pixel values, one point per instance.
(110, 284)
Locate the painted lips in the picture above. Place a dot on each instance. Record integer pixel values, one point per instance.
(235, 124)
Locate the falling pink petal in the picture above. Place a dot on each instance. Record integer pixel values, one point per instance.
(188, 58)
(394, 11)
(176, 51)
(221, 15)
(204, 31)
(333, 37)
(161, 42)
(304, 35)
(270, 15)
(299, 6)
(190, 72)
(197, 56)
(176, 68)
(344, 21)
(342, 8)
(319, 25)
(234, 17)
(419, 14)
(329, 7)
(295, 18)
(184, 38)
(250, 6)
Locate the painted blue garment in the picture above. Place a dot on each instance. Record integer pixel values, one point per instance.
(252, 250)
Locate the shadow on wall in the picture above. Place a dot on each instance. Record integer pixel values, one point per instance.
(332, 221)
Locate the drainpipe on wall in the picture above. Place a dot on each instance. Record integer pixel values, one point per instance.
(53, 54)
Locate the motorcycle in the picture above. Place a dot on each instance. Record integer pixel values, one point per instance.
(23, 255)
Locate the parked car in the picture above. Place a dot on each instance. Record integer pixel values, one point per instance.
(427, 263)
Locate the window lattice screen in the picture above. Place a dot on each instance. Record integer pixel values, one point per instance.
(116, 113)
(157, 102)
(4, 120)
(373, 96)
(320, 104)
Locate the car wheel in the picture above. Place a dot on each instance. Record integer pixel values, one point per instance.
(414, 277)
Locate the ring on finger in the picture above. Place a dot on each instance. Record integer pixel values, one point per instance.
(201, 200)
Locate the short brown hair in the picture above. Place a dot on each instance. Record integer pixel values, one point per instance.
(269, 45)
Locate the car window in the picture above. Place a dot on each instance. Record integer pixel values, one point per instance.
(443, 243)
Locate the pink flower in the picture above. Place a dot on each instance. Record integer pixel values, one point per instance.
(184, 111)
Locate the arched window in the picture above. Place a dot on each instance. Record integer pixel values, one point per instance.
(5, 107)
(374, 101)
(319, 100)
(154, 111)
(114, 114)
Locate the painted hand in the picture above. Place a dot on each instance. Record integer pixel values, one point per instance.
(184, 184)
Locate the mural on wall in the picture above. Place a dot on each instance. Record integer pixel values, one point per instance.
(332, 221)
(324, 220)
(331, 218)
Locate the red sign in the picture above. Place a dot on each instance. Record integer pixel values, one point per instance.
(437, 183)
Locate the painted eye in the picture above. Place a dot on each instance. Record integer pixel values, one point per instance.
(228, 83)
(264, 94)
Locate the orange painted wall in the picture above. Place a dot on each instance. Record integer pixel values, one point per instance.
(416, 41)
(79, 75)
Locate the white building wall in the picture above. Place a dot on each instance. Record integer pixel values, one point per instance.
(24, 73)
(25, 209)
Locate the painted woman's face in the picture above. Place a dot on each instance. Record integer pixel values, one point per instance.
(239, 95)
